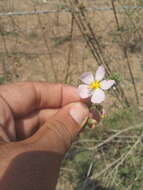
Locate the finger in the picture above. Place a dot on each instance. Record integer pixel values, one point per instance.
(7, 121)
(25, 97)
(59, 131)
(3, 136)
(28, 125)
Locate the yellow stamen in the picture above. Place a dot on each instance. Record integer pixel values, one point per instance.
(95, 85)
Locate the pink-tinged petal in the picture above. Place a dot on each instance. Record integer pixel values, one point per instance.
(84, 91)
(106, 84)
(98, 96)
(87, 78)
(100, 73)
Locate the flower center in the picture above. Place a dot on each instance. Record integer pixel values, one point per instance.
(95, 85)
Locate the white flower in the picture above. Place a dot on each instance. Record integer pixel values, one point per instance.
(94, 86)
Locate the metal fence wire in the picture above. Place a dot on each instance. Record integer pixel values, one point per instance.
(64, 10)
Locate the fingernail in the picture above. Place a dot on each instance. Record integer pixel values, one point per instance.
(79, 112)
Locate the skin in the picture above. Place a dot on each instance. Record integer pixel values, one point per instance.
(33, 138)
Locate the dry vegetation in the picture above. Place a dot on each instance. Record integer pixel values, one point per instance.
(58, 47)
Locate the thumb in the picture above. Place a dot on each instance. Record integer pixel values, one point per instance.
(59, 131)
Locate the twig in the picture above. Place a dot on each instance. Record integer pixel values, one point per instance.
(94, 46)
(70, 52)
(48, 50)
(117, 134)
(125, 52)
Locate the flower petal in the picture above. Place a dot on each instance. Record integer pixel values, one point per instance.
(84, 91)
(100, 73)
(106, 84)
(87, 78)
(98, 96)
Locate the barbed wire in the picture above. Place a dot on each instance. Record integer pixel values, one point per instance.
(66, 10)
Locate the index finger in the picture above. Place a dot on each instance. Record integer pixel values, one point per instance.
(25, 97)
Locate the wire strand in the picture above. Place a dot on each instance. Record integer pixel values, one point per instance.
(66, 10)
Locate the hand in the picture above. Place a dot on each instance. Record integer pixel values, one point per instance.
(38, 122)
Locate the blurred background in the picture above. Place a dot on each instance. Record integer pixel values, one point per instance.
(58, 40)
